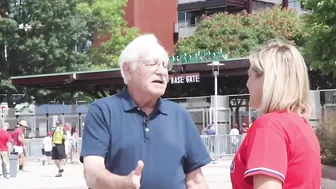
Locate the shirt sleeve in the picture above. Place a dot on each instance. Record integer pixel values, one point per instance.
(9, 137)
(96, 135)
(197, 155)
(266, 154)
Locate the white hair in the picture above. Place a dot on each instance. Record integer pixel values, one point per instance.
(143, 47)
(5, 125)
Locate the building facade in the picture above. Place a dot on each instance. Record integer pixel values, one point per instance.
(171, 20)
(191, 11)
(154, 16)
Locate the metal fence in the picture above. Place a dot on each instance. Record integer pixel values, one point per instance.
(43, 117)
(218, 146)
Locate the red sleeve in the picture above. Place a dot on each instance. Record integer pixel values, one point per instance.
(266, 154)
(9, 137)
(13, 133)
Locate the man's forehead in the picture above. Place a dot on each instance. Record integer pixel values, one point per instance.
(157, 53)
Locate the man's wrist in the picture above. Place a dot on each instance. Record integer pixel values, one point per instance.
(121, 181)
(112, 181)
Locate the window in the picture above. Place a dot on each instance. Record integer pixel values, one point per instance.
(184, 16)
(257, 5)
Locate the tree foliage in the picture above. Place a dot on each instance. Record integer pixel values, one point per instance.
(238, 34)
(106, 22)
(326, 134)
(40, 36)
(320, 48)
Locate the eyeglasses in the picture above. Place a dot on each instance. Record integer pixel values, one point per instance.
(154, 64)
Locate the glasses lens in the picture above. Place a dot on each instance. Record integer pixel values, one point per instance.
(170, 66)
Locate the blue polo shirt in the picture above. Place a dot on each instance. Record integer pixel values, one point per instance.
(167, 141)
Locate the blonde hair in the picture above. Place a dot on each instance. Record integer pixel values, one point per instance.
(286, 83)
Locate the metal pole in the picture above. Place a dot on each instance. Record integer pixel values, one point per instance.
(216, 106)
(6, 55)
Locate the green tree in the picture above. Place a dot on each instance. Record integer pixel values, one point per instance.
(106, 23)
(320, 48)
(39, 36)
(238, 34)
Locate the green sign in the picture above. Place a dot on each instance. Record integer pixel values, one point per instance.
(198, 57)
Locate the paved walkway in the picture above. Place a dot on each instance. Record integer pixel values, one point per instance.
(37, 176)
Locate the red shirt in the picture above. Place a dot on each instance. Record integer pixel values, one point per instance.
(4, 139)
(280, 145)
(15, 135)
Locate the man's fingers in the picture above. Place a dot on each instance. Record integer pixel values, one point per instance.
(139, 168)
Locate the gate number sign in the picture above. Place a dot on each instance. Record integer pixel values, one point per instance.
(185, 78)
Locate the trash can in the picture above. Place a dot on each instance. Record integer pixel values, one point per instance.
(13, 162)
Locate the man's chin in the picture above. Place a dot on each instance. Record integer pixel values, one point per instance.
(157, 92)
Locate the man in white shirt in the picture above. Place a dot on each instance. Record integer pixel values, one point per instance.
(47, 148)
(234, 138)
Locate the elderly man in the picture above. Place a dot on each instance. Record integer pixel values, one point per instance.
(135, 139)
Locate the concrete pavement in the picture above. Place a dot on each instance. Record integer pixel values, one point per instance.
(37, 176)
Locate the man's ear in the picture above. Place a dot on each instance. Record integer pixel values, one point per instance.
(127, 69)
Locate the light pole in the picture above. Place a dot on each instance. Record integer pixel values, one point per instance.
(215, 71)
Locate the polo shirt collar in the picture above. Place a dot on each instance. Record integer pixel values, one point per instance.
(129, 104)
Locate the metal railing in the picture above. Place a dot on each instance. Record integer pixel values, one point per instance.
(220, 146)
(188, 1)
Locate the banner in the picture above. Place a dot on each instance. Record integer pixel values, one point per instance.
(184, 78)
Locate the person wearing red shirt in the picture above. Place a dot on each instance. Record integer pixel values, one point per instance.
(5, 145)
(18, 141)
(281, 150)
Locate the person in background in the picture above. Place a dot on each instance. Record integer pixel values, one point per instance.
(19, 140)
(252, 120)
(58, 151)
(210, 130)
(234, 138)
(67, 143)
(5, 126)
(75, 146)
(47, 146)
(5, 146)
(281, 150)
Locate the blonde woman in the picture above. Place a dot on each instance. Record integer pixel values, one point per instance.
(281, 150)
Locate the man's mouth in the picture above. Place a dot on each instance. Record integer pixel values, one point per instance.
(158, 81)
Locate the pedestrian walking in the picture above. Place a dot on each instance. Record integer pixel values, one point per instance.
(47, 146)
(58, 150)
(18, 136)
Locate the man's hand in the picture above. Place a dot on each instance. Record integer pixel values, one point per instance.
(133, 179)
(197, 183)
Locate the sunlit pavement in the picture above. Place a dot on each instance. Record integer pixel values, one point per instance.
(37, 176)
